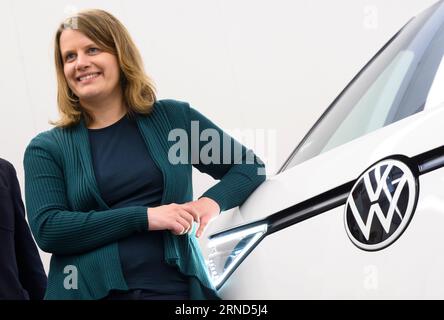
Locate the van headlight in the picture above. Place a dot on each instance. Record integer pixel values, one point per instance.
(227, 250)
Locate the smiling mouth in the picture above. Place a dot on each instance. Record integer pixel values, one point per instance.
(88, 76)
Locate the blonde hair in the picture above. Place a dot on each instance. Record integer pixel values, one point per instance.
(111, 36)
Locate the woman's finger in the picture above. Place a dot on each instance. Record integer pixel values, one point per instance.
(187, 216)
(184, 223)
(202, 226)
(177, 229)
(192, 211)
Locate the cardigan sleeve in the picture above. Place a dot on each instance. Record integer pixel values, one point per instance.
(58, 229)
(239, 170)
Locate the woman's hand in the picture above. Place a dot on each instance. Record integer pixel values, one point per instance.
(178, 218)
(207, 210)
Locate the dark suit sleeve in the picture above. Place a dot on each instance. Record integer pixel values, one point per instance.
(31, 274)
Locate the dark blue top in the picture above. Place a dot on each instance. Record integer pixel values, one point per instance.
(127, 176)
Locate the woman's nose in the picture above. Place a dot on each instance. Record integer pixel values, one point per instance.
(82, 62)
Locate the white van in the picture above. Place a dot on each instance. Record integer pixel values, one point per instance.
(357, 210)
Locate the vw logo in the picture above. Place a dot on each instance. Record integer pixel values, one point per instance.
(380, 205)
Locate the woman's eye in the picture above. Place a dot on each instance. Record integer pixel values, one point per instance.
(70, 56)
(93, 50)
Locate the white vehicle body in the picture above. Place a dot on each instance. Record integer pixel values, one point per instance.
(305, 250)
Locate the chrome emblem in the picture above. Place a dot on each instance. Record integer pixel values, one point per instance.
(380, 205)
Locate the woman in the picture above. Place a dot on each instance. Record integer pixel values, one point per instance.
(104, 193)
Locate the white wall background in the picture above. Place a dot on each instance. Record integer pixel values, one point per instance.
(246, 64)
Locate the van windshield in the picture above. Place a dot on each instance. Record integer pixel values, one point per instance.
(398, 82)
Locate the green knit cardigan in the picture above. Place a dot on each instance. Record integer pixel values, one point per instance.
(69, 218)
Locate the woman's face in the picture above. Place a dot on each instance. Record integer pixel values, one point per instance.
(92, 74)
